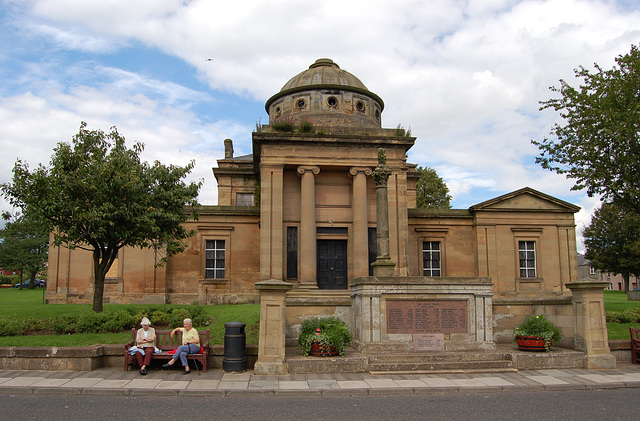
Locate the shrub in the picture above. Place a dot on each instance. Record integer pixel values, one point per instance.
(12, 327)
(327, 331)
(177, 317)
(91, 322)
(159, 318)
(540, 327)
(64, 324)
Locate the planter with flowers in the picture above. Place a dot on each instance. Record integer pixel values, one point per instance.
(536, 333)
(324, 337)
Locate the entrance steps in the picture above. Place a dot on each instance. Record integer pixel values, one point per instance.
(504, 359)
(441, 362)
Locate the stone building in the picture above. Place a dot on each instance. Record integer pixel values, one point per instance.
(302, 209)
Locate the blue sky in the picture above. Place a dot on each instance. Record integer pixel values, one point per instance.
(465, 76)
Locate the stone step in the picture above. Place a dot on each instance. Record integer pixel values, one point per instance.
(440, 357)
(448, 366)
(448, 371)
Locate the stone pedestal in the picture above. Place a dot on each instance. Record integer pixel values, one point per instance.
(271, 347)
(409, 314)
(590, 323)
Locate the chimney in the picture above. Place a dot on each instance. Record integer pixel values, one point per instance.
(228, 148)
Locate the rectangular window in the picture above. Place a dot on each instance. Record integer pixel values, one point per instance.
(215, 259)
(592, 271)
(527, 255)
(292, 252)
(431, 265)
(244, 199)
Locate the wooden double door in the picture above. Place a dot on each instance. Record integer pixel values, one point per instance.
(332, 264)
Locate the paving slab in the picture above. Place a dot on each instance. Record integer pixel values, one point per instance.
(82, 382)
(263, 384)
(381, 383)
(411, 383)
(438, 382)
(110, 384)
(352, 384)
(293, 385)
(203, 385)
(51, 382)
(172, 385)
(142, 383)
(468, 383)
(323, 384)
(233, 385)
(494, 381)
(546, 380)
(21, 381)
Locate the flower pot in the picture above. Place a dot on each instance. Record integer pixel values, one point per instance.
(531, 343)
(320, 350)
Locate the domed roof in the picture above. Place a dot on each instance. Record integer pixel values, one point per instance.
(323, 74)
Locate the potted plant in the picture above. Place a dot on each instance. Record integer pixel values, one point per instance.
(324, 336)
(536, 333)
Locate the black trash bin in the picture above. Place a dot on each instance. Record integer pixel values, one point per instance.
(235, 346)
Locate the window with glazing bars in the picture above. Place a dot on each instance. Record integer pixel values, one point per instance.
(431, 258)
(527, 254)
(215, 254)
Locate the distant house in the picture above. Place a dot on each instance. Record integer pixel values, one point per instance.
(9, 272)
(586, 271)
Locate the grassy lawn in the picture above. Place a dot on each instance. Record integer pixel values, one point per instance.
(28, 303)
(617, 301)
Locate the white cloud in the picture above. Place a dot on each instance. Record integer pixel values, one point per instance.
(466, 77)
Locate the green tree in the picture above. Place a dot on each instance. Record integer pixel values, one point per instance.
(598, 141)
(24, 246)
(431, 190)
(612, 241)
(97, 195)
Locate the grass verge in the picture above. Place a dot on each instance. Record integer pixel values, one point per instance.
(21, 304)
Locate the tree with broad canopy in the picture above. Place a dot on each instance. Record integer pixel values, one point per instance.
(431, 190)
(598, 141)
(97, 195)
(24, 246)
(612, 241)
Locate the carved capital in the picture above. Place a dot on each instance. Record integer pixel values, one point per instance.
(314, 169)
(355, 170)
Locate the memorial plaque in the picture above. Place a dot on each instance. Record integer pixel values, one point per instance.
(427, 316)
(428, 341)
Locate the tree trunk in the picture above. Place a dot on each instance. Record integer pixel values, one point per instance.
(100, 268)
(625, 279)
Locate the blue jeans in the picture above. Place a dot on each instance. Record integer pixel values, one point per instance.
(183, 351)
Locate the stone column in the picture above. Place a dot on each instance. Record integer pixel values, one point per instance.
(271, 225)
(383, 266)
(308, 256)
(273, 314)
(360, 221)
(590, 324)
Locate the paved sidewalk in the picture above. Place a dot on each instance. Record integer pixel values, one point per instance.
(215, 382)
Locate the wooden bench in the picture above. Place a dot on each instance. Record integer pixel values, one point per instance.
(166, 343)
(635, 345)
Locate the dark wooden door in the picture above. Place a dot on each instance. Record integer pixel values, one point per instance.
(332, 264)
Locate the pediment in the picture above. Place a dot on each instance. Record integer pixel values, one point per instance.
(526, 199)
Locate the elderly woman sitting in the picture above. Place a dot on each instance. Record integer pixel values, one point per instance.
(190, 345)
(145, 340)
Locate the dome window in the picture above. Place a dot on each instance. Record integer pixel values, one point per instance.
(278, 111)
(332, 102)
(377, 114)
(360, 106)
(300, 104)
